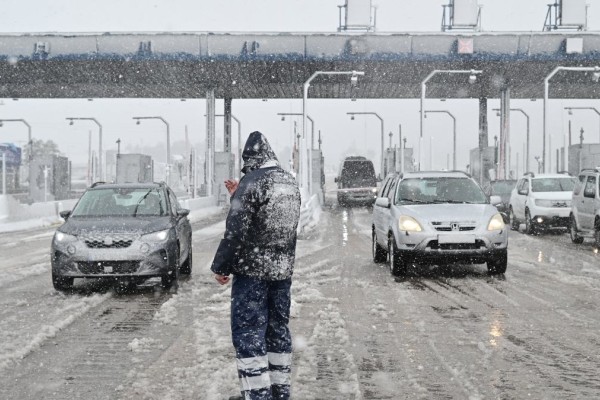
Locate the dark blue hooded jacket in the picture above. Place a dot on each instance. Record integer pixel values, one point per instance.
(260, 233)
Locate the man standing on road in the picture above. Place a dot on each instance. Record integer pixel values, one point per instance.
(259, 249)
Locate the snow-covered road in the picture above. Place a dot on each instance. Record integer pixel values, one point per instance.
(441, 332)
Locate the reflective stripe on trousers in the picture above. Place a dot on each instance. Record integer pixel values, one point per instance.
(261, 337)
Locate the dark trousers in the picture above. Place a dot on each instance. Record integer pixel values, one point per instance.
(260, 312)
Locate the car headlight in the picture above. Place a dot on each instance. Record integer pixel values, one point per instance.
(374, 190)
(496, 223)
(64, 237)
(156, 236)
(409, 224)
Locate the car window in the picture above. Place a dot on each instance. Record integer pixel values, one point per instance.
(590, 187)
(174, 203)
(392, 190)
(121, 202)
(566, 184)
(579, 184)
(439, 190)
(523, 185)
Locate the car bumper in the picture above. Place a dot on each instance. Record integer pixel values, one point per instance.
(140, 259)
(552, 221)
(471, 247)
(357, 197)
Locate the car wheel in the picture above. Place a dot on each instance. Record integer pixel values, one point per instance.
(529, 224)
(397, 263)
(172, 274)
(575, 238)
(186, 268)
(514, 222)
(379, 253)
(497, 264)
(61, 283)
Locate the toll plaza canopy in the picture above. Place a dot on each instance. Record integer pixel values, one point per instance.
(275, 65)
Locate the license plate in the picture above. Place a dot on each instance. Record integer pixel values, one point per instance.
(456, 239)
(108, 270)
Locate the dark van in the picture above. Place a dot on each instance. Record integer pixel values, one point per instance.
(356, 182)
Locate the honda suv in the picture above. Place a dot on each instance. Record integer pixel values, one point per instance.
(541, 201)
(127, 231)
(585, 211)
(427, 217)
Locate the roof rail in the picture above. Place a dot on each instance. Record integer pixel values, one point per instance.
(530, 174)
(97, 184)
(462, 172)
(565, 173)
(597, 169)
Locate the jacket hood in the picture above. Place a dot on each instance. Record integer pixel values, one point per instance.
(257, 152)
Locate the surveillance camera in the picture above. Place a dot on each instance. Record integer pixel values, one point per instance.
(596, 76)
(137, 122)
(354, 80)
(570, 112)
(352, 117)
(71, 122)
(472, 78)
(283, 117)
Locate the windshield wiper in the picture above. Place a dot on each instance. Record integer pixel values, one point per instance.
(140, 201)
(414, 201)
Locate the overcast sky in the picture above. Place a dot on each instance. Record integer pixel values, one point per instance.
(340, 135)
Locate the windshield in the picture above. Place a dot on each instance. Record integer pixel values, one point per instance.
(553, 184)
(439, 190)
(121, 202)
(502, 187)
(356, 174)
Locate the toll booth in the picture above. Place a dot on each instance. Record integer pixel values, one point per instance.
(224, 165)
(482, 164)
(393, 160)
(137, 168)
(12, 155)
(582, 156)
(49, 178)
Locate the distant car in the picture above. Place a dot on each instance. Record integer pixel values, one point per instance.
(427, 217)
(541, 201)
(585, 211)
(124, 231)
(356, 182)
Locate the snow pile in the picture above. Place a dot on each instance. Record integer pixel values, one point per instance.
(143, 345)
(167, 313)
(32, 270)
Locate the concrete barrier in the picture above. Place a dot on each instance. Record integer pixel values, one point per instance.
(310, 213)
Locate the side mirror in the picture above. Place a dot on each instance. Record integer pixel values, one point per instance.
(524, 192)
(382, 202)
(184, 212)
(495, 200)
(65, 214)
(335, 179)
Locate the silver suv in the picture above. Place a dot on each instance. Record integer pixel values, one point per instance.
(427, 217)
(585, 207)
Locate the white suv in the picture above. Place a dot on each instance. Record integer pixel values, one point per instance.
(585, 213)
(541, 201)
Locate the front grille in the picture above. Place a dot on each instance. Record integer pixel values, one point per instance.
(108, 241)
(118, 267)
(454, 226)
(434, 245)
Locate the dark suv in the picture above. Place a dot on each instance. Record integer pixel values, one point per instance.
(357, 183)
(127, 231)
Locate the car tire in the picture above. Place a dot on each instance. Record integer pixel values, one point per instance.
(186, 268)
(379, 253)
(61, 283)
(498, 263)
(530, 227)
(575, 238)
(514, 222)
(398, 265)
(172, 274)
